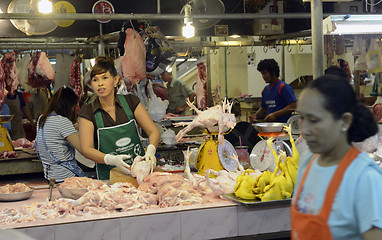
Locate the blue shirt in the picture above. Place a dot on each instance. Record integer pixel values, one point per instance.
(277, 97)
(4, 110)
(357, 205)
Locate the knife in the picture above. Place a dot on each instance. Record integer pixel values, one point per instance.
(52, 181)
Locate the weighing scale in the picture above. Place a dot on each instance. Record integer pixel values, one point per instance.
(213, 155)
(5, 139)
(261, 157)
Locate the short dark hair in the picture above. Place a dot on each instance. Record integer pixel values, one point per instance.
(341, 98)
(334, 70)
(270, 65)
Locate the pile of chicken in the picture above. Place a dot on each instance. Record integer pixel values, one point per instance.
(15, 188)
(274, 185)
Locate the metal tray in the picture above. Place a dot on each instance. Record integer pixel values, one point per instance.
(269, 127)
(9, 197)
(75, 193)
(250, 202)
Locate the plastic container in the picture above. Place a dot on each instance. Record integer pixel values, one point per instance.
(243, 156)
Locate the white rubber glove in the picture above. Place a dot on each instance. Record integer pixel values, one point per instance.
(150, 156)
(117, 160)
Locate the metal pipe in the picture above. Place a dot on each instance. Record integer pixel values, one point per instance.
(158, 6)
(317, 39)
(101, 44)
(38, 46)
(132, 16)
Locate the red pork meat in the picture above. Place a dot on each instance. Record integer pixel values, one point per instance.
(75, 80)
(40, 71)
(10, 71)
(3, 90)
(133, 63)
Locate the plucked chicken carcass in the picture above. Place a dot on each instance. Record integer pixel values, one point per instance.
(141, 168)
(133, 62)
(40, 71)
(10, 71)
(215, 119)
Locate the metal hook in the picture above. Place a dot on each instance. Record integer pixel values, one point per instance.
(300, 48)
(265, 49)
(277, 49)
(240, 49)
(288, 47)
(62, 49)
(253, 47)
(227, 49)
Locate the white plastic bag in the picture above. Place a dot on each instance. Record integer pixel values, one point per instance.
(374, 57)
(168, 137)
(157, 107)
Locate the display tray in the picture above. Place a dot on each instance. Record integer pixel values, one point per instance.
(18, 196)
(246, 202)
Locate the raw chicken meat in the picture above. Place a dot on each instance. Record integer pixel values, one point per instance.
(140, 168)
(215, 119)
(81, 182)
(133, 63)
(10, 71)
(3, 90)
(40, 71)
(15, 188)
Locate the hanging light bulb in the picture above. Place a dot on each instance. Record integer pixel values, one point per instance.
(45, 6)
(188, 30)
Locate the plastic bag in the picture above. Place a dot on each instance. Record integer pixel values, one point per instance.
(157, 106)
(168, 137)
(374, 57)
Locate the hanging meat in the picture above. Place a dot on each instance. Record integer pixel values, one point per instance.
(201, 86)
(133, 63)
(3, 90)
(40, 71)
(10, 71)
(75, 80)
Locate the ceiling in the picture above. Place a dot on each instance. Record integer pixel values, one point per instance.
(89, 28)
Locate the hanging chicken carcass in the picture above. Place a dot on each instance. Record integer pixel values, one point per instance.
(40, 71)
(133, 62)
(10, 71)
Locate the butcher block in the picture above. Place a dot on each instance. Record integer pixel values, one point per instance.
(116, 175)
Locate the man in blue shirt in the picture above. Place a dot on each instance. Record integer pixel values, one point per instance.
(278, 99)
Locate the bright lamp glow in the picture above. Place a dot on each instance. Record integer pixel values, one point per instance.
(45, 6)
(188, 30)
(352, 24)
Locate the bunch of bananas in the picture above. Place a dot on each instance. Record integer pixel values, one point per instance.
(274, 185)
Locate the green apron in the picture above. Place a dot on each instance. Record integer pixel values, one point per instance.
(120, 139)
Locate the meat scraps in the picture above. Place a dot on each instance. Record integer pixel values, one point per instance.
(15, 188)
(10, 71)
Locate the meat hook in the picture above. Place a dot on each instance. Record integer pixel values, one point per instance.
(265, 49)
(288, 47)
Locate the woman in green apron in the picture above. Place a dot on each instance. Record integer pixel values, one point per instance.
(108, 125)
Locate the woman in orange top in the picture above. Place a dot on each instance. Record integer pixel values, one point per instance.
(338, 193)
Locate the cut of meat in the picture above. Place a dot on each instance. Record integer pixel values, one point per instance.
(10, 71)
(3, 90)
(75, 80)
(40, 71)
(201, 86)
(133, 63)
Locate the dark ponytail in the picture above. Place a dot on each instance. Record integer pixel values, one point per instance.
(341, 98)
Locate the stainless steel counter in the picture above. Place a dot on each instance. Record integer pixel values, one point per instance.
(221, 219)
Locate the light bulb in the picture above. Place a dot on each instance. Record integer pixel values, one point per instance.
(188, 30)
(45, 6)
